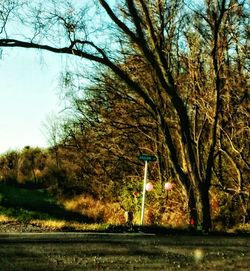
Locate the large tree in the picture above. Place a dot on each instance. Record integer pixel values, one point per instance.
(186, 64)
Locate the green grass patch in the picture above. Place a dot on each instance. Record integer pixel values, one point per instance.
(25, 205)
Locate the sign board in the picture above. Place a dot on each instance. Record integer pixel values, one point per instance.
(147, 157)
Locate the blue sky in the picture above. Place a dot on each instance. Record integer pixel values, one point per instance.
(29, 88)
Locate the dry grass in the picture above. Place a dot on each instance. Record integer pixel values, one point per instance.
(49, 224)
(113, 214)
(5, 219)
(58, 225)
(101, 212)
(242, 228)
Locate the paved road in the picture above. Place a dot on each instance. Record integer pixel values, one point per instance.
(87, 251)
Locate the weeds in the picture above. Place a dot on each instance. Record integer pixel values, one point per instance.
(99, 211)
(81, 213)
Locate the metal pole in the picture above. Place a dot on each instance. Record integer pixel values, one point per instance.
(144, 191)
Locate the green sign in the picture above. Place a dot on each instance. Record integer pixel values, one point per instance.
(147, 157)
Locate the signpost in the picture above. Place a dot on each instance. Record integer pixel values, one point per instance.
(146, 158)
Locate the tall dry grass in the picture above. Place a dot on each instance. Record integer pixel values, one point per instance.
(100, 211)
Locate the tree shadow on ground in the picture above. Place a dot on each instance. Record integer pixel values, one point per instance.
(25, 204)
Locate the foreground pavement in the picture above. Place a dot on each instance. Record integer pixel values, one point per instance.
(121, 251)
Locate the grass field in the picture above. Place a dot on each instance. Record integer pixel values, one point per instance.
(27, 205)
(122, 252)
(34, 210)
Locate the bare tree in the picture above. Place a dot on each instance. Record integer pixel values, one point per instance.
(153, 31)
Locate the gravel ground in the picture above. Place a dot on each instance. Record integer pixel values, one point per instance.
(17, 227)
(100, 251)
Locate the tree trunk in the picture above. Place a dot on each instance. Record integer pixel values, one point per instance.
(193, 215)
(205, 207)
